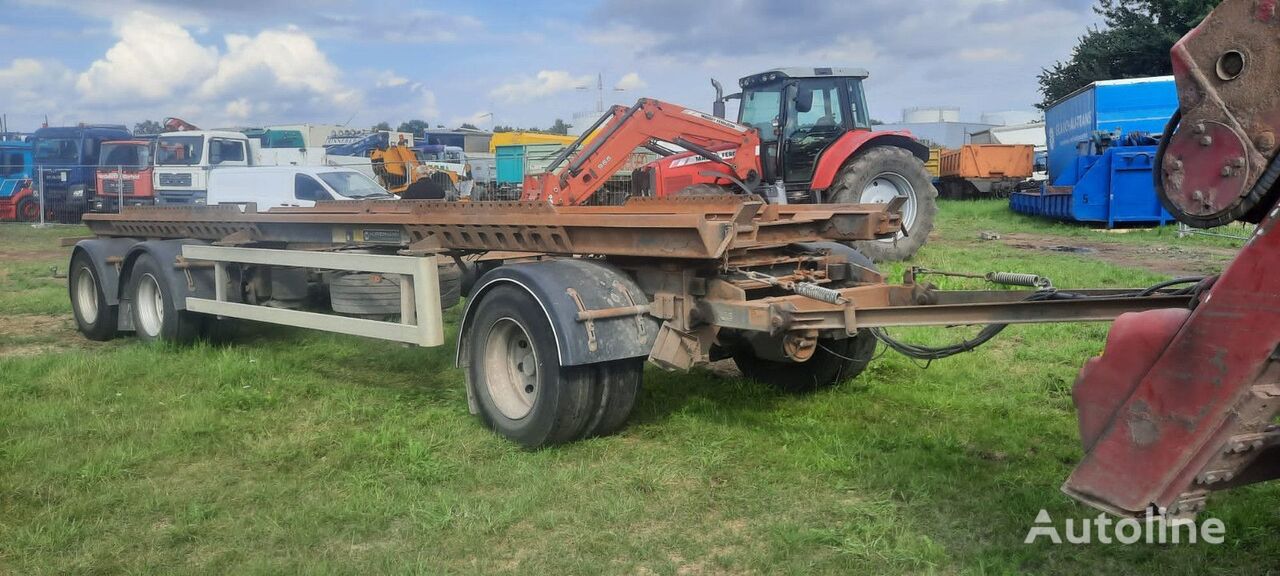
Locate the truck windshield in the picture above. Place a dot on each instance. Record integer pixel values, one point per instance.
(66, 150)
(179, 150)
(354, 185)
(125, 155)
(760, 110)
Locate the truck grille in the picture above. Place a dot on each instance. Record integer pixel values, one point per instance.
(113, 186)
(175, 179)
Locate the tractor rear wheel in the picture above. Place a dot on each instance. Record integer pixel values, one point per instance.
(879, 175)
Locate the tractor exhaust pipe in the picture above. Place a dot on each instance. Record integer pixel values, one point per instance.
(717, 107)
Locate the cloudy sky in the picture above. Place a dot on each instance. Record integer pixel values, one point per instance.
(524, 63)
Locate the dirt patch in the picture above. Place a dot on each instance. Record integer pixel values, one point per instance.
(34, 334)
(1159, 258)
(40, 255)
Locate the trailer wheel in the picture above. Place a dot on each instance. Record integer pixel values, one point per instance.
(833, 362)
(618, 385)
(522, 390)
(879, 175)
(94, 317)
(154, 316)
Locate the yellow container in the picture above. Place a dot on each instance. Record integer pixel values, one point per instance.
(932, 165)
(524, 137)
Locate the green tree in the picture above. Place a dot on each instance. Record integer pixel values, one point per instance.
(1133, 42)
(147, 127)
(468, 126)
(559, 127)
(414, 126)
(381, 126)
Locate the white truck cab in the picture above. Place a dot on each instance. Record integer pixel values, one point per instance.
(183, 162)
(277, 186)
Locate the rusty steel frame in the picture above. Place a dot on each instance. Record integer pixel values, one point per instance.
(693, 228)
(685, 249)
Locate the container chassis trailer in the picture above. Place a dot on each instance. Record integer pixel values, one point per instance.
(564, 304)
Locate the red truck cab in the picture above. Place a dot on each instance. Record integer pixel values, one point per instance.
(124, 175)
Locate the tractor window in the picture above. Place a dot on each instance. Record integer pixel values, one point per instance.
(815, 118)
(760, 110)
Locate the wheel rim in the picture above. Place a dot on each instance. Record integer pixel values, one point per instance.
(150, 304)
(511, 369)
(29, 213)
(87, 296)
(884, 188)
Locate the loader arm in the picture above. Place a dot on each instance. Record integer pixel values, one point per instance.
(573, 176)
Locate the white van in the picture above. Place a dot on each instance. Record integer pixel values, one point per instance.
(273, 186)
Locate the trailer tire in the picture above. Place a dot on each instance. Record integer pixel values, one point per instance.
(363, 293)
(877, 174)
(155, 317)
(618, 385)
(96, 319)
(834, 360)
(522, 391)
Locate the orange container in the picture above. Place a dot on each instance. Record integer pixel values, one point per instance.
(988, 161)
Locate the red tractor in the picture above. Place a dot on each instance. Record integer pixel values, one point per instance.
(803, 136)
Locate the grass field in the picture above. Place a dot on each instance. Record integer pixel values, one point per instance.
(287, 451)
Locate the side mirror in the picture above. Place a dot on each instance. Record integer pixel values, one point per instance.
(215, 154)
(804, 100)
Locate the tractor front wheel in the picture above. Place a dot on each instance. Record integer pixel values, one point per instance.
(879, 175)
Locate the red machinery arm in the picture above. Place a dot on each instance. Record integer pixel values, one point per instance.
(573, 178)
(1183, 402)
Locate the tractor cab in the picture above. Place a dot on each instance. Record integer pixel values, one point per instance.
(798, 112)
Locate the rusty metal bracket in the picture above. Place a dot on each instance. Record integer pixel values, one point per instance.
(633, 306)
(587, 319)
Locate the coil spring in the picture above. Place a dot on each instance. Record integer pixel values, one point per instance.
(1018, 279)
(816, 292)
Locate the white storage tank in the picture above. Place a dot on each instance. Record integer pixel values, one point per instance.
(924, 114)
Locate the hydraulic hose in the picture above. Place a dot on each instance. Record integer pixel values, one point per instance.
(930, 353)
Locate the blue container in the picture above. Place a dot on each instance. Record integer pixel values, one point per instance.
(1113, 187)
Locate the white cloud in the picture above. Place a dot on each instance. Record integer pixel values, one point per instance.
(389, 79)
(478, 119)
(32, 85)
(546, 83)
(276, 62)
(157, 68)
(153, 60)
(631, 81)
